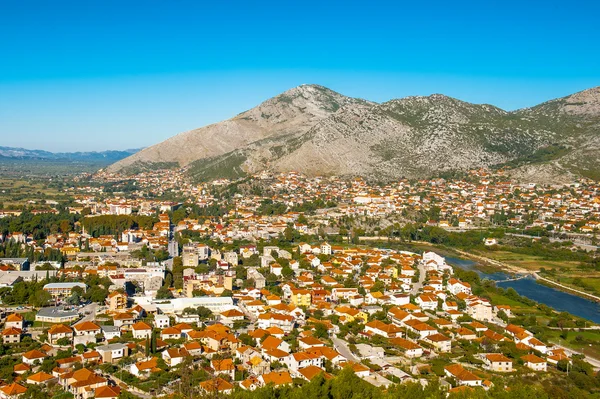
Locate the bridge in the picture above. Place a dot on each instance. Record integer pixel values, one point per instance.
(512, 279)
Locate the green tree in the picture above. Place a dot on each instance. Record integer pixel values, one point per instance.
(320, 331)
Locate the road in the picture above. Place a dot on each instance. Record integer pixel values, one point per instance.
(422, 274)
(342, 346)
(91, 308)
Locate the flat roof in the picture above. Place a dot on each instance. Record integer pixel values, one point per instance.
(64, 285)
(56, 312)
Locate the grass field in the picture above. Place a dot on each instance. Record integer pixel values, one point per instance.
(19, 191)
(502, 300)
(528, 262)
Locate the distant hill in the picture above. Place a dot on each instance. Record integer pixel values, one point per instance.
(317, 131)
(103, 157)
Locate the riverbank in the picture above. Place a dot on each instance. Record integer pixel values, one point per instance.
(535, 274)
(500, 265)
(493, 264)
(565, 288)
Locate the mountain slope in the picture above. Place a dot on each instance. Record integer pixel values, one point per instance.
(288, 114)
(316, 131)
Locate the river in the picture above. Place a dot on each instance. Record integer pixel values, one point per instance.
(529, 288)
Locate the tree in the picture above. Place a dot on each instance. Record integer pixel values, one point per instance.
(74, 299)
(204, 312)
(320, 331)
(271, 278)
(153, 342)
(40, 298)
(287, 272)
(164, 293)
(378, 286)
(96, 294)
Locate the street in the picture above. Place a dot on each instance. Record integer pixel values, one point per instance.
(342, 347)
(422, 274)
(91, 308)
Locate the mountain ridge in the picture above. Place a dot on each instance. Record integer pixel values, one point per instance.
(108, 156)
(315, 130)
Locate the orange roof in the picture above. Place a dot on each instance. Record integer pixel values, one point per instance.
(14, 318)
(258, 333)
(40, 377)
(356, 367)
(232, 313)
(86, 326)
(217, 384)
(531, 358)
(147, 365)
(310, 372)
(107, 392)
(404, 343)
(461, 373)
(195, 334)
(497, 357)
(170, 331)
(12, 331)
(271, 342)
(59, 329)
(192, 346)
(140, 326)
(21, 367)
(83, 378)
(186, 326)
(34, 354)
(91, 355)
(13, 389)
(124, 316)
(277, 378)
(222, 365)
(275, 330)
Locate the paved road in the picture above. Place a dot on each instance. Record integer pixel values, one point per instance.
(422, 274)
(91, 308)
(342, 346)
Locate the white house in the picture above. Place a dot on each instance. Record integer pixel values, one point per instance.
(141, 330)
(456, 286)
(162, 321)
(534, 362)
(462, 375)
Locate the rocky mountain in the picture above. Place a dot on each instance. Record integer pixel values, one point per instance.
(280, 118)
(105, 157)
(314, 130)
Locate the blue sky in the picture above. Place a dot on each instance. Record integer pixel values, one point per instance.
(96, 75)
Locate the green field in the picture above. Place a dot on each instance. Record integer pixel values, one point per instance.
(528, 262)
(19, 191)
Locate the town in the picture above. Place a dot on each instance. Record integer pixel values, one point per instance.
(151, 285)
